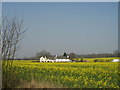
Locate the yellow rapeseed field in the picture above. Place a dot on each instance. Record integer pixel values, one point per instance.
(70, 75)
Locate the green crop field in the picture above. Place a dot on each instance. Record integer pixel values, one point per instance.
(69, 75)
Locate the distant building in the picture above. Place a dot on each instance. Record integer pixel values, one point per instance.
(63, 60)
(44, 59)
(116, 60)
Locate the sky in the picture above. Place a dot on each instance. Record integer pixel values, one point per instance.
(119, 27)
(0, 23)
(60, 0)
(58, 27)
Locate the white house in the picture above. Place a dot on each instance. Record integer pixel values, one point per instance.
(116, 60)
(44, 59)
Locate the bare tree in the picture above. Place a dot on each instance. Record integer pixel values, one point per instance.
(72, 55)
(12, 31)
(0, 56)
(43, 53)
(116, 53)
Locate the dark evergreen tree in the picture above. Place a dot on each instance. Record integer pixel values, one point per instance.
(65, 55)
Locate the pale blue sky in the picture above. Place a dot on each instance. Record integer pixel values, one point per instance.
(82, 28)
(0, 8)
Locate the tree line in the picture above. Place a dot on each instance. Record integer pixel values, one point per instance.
(71, 55)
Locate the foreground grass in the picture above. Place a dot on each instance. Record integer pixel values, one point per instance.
(36, 84)
(69, 75)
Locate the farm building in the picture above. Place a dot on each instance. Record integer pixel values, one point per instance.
(44, 59)
(63, 60)
(116, 60)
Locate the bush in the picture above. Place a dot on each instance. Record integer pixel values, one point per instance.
(96, 60)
